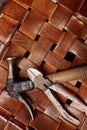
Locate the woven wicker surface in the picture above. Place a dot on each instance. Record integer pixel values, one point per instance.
(50, 35)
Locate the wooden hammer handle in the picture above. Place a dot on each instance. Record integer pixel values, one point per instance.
(69, 75)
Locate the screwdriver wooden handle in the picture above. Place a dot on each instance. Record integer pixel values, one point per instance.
(69, 75)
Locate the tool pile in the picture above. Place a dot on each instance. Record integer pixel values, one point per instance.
(36, 80)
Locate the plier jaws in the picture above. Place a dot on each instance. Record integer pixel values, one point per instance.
(38, 79)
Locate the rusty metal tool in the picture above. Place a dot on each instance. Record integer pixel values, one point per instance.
(16, 89)
(46, 86)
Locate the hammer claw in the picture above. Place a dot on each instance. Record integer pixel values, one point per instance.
(21, 99)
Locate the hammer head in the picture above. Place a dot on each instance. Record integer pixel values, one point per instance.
(14, 88)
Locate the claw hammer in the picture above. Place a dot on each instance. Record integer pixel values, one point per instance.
(15, 89)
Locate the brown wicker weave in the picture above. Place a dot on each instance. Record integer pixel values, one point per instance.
(50, 35)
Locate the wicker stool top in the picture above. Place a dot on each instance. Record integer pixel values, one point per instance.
(50, 35)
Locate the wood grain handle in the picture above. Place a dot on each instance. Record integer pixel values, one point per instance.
(69, 75)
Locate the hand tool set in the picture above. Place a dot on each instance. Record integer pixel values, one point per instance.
(47, 84)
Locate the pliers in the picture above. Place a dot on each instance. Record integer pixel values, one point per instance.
(46, 86)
